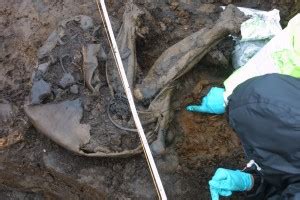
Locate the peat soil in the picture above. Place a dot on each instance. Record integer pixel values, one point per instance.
(34, 167)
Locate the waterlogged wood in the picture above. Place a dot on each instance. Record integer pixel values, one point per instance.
(90, 63)
(126, 41)
(184, 55)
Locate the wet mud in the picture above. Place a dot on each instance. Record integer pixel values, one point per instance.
(34, 167)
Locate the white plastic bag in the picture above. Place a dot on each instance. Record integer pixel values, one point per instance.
(244, 51)
(262, 24)
(260, 64)
(256, 32)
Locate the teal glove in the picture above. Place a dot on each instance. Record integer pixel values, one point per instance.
(212, 103)
(225, 181)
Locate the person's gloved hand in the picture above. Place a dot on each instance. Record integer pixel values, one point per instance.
(212, 103)
(225, 181)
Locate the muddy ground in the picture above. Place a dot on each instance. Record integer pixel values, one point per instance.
(34, 167)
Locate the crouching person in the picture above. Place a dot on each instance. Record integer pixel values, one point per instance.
(264, 112)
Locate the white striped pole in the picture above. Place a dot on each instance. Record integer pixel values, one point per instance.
(146, 148)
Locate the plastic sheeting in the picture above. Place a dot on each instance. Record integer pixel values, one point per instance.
(263, 62)
(256, 33)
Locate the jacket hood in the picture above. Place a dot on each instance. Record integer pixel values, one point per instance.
(265, 113)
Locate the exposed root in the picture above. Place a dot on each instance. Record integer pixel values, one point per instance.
(82, 71)
(150, 121)
(62, 64)
(126, 41)
(104, 152)
(90, 63)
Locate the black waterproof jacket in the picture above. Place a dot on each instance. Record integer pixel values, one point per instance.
(265, 113)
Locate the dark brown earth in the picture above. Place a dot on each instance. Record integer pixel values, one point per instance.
(34, 167)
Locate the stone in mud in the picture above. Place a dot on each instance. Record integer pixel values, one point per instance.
(158, 147)
(40, 90)
(168, 163)
(43, 67)
(86, 22)
(74, 89)
(67, 80)
(115, 140)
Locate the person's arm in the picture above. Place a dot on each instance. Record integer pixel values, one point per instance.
(280, 55)
(226, 181)
(212, 103)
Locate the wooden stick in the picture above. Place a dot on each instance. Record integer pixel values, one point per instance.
(150, 161)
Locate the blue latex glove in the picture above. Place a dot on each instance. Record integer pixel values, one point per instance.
(225, 181)
(212, 103)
